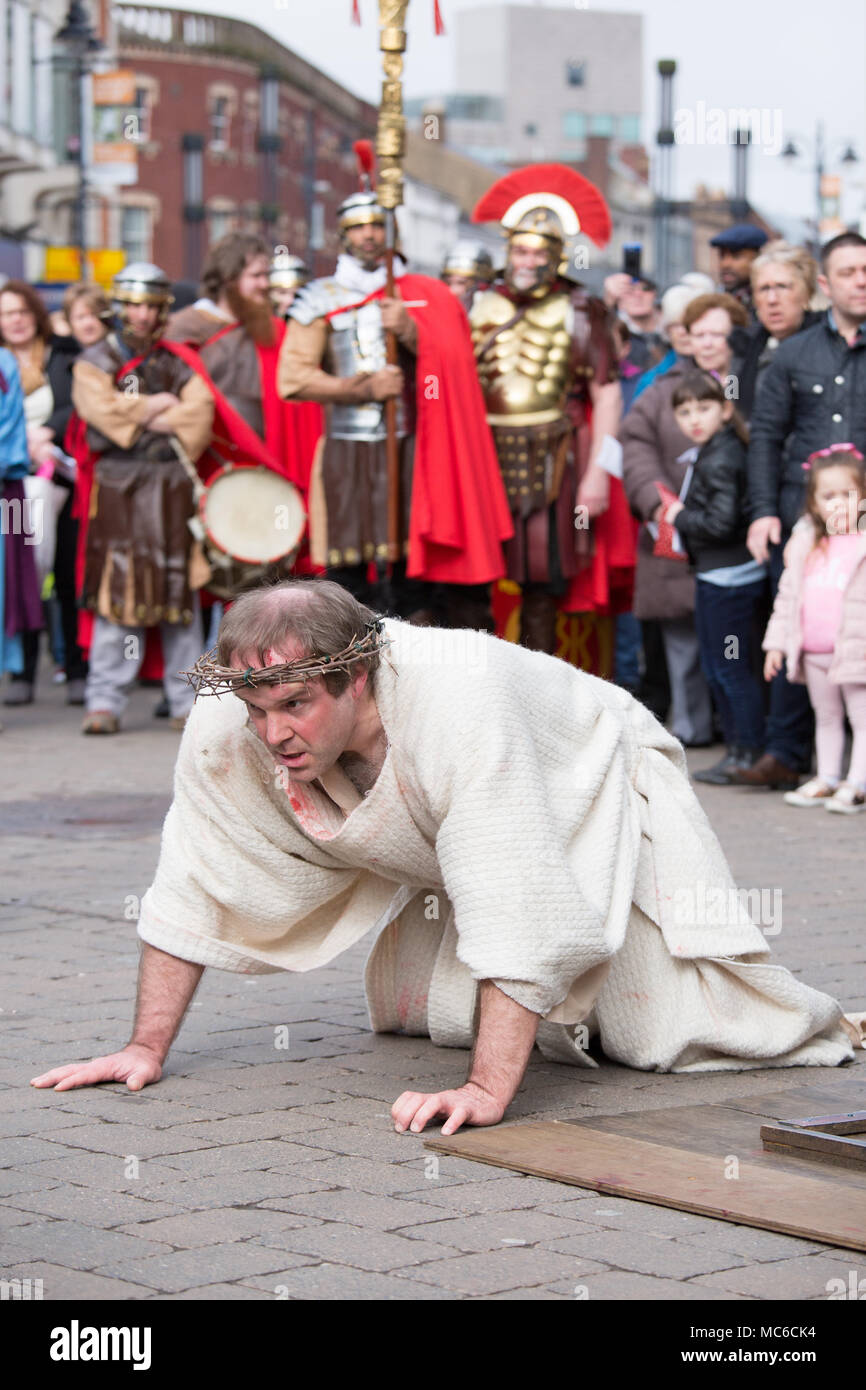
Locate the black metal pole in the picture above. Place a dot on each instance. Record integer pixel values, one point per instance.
(81, 74)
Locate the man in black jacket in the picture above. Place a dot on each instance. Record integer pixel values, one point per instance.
(811, 396)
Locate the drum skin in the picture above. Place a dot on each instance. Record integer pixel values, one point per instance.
(253, 522)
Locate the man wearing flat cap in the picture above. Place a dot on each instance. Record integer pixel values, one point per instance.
(737, 247)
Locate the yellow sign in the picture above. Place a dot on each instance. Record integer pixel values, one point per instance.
(63, 263)
(104, 265)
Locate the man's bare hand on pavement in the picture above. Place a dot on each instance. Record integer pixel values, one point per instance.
(468, 1105)
(137, 1066)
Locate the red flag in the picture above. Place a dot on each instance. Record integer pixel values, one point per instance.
(438, 22)
(664, 546)
(356, 12)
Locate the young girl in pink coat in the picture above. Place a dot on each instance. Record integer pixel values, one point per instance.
(818, 626)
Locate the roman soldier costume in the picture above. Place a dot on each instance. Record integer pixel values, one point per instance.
(542, 345)
(239, 359)
(138, 554)
(286, 275)
(454, 514)
(466, 269)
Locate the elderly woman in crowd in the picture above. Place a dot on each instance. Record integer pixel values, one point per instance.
(653, 449)
(784, 280)
(44, 361)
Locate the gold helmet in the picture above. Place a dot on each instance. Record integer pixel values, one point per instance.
(542, 206)
(142, 283)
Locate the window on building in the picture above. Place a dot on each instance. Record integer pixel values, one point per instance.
(5, 60)
(575, 74)
(142, 112)
(22, 70)
(530, 130)
(249, 123)
(220, 122)
(574, 125)
(601, 125)
(462, 106)
(135, 233)
(221, 221)
(629, 130)
(193, 179)
(269, 90)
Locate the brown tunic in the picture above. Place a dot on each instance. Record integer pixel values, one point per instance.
(138, 541)
(231, 361)
(348, 501)
(193, 325)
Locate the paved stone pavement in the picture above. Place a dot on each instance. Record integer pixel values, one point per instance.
(254, 1171)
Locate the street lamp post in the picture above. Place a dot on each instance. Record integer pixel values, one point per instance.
(665, 139)
(848, 156)
(80, 41)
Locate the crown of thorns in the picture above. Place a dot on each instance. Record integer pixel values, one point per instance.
(207, 677)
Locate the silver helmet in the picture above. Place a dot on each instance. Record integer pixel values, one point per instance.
(469, 258)
(142, 283)
(358, 210)
(287, 273)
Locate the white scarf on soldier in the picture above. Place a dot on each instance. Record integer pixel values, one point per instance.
(352, 275)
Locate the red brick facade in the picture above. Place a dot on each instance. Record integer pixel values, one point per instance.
(210, 96)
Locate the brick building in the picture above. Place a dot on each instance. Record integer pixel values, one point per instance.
(235, 132)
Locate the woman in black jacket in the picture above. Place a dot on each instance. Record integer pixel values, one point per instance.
(712, 521)
(45, 362)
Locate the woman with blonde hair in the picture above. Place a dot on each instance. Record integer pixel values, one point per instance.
(784, 281)
(88, 311)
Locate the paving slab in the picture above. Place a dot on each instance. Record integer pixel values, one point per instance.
(248, 1174)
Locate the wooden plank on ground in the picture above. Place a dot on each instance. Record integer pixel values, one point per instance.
(679, 1157)
(715, 1130)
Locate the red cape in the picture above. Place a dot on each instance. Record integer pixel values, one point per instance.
(292, 428)
(460, 514)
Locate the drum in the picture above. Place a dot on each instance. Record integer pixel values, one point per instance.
(251, 522)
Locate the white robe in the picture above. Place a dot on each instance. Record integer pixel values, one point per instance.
(532, 825)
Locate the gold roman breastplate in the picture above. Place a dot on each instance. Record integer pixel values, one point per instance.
(524, 370)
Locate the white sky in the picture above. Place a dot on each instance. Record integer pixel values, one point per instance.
(803, 60)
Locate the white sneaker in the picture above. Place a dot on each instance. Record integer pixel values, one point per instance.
(847, 801)
(813, 793)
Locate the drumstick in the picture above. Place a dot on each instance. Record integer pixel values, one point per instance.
(414, 303)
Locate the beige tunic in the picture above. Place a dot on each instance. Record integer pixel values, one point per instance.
(531, 825)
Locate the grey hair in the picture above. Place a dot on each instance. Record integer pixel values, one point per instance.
(797, 258)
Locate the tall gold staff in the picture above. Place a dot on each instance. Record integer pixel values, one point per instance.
(391, 148)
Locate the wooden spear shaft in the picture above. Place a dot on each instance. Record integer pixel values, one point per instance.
(392, 443)
(390, 147)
